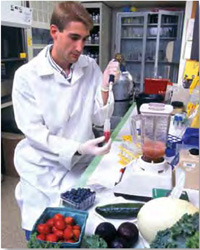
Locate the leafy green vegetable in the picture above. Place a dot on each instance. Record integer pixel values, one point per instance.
(180, 235)
(93, 241)
(193, 242)
(34, 243)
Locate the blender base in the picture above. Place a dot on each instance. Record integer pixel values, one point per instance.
(141, 177)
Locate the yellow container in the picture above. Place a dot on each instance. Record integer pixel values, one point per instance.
(22, 55)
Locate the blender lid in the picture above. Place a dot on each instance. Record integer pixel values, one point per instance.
(156, 108)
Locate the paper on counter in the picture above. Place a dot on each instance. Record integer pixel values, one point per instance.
(107, 171)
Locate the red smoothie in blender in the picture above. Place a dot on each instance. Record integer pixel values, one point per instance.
(153, 150)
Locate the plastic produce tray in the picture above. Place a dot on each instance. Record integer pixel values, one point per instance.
(82, 204)
(80, 218)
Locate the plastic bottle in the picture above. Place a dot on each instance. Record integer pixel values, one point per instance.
(169, 93)
(189, 162)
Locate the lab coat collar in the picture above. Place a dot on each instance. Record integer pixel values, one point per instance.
(44, 68)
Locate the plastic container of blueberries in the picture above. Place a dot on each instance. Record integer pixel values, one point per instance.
(83, 205)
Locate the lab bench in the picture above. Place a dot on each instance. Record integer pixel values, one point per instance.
(103, 172)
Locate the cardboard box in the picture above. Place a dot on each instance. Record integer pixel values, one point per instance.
(9, 142)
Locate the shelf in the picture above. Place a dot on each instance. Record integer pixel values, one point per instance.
(149, 61)
(133, 24)
(38, 46)
(143, 40)
(152, 24)
(133, 61)
(162, 62)
(169, 24)
(131, 38)
(167, 38)
(6, 101)
(6, 104)
(92, 45)
(13, 59)
(161, 38)
(163, 24)
(165, 62)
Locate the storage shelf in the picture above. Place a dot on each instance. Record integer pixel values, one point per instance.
(163, 24)
(6, 104)
(168, 38)
(38, 46)
(133, 61)
(161, 38)
(133, 24)
(131, 38)
(97, 45)
(92, 45)
(163, 62)
(169, 24)
(12, 59)
(143, 40)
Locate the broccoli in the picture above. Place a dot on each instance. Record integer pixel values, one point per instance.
(183, 234)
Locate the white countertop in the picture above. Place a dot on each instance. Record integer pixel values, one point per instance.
(102, 174)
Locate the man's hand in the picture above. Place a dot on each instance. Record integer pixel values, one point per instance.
(90, 147)
(111, 69)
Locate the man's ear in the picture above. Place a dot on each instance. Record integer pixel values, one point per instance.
(54, 31)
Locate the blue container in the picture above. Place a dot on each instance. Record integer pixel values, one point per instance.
(79, 216)
(191, 137)
(172, 142)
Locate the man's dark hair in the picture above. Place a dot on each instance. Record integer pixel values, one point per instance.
(66, 12)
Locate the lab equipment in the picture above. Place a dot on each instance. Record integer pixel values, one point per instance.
(107, 129)
(155, 120)
(150, 170)
(147, 98)
(122, 89)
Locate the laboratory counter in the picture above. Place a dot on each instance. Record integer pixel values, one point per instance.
(103, 173)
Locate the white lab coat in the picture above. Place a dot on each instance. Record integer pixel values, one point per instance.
(55, 116)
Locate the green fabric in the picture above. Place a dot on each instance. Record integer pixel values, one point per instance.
(92, 166)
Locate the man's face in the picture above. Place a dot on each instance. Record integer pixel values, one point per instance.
(69, 44)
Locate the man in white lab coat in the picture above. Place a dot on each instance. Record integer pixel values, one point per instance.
(57, 96)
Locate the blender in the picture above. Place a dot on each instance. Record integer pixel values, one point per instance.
(150, 170)
(155, 121)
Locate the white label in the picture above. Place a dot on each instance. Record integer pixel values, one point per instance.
(188, 166)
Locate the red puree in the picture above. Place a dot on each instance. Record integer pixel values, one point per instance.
(153, 149)
(107, 135)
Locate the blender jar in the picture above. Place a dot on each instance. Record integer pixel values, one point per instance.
(155, 121)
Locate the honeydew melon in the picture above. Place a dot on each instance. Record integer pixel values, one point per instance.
(161, 213)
